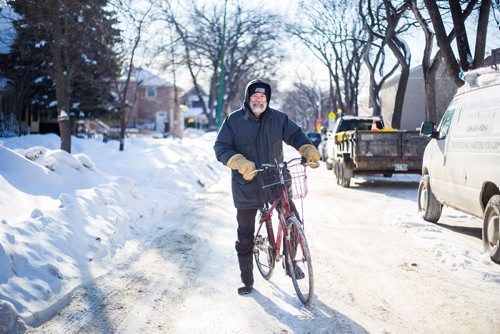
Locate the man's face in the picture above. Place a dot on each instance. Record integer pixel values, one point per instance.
(258, 103)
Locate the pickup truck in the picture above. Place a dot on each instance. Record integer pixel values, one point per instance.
(362, 145)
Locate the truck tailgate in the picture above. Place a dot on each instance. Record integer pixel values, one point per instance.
(397, 152)
(378, 144)
(414, 144)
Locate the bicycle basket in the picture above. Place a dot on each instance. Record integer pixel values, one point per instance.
(270, 183)
(299, 180)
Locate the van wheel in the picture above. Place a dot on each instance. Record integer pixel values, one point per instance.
(491, 234)
(428, 206)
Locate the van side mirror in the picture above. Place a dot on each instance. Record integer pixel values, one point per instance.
(427, 130)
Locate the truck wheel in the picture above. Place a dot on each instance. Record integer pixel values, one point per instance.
(387, 174)
(339, 174)
(491, 234)
(345, 178)
(428, 206)
(335, 168)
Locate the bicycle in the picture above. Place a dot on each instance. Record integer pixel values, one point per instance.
(267, 247)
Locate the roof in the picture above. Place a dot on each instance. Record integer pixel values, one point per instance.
(192, 91)
(146, 78)
(416, 73)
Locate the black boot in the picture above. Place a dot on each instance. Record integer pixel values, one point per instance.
(246, 269)
(244, 290)
(299, 274)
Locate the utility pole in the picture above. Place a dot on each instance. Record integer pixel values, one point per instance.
(221, 78)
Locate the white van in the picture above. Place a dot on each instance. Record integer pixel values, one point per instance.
(461, 164)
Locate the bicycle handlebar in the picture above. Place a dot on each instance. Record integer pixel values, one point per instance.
(279, 165)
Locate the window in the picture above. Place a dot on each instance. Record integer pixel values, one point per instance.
(196, 104)
(352, 124)
(150, 91)
(444, 127)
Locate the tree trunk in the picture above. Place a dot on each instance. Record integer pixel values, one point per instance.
(61, 79)
(430, 88)
(400, 96)
(442, 41)
(399, 51)
(429, 80)
(461, 35)
(482, 30)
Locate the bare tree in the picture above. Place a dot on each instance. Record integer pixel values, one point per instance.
(333, 33)
(250, 45)
(400, 50)
(374, 54)
(388, 23)
(466, 60)
(305, 102)
(431, 66)
(136, 21)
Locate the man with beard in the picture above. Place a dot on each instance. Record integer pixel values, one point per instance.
(250, 136)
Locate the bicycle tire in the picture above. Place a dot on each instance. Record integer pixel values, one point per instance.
(298, 255)
(263, 252)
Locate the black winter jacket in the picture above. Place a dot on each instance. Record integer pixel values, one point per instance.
(260, 140)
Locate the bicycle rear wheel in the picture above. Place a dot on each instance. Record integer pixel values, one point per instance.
(298, 257)
(263, 252)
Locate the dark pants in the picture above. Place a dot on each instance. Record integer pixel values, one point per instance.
(244, 244)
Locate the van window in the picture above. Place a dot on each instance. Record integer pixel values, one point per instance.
(444, 126)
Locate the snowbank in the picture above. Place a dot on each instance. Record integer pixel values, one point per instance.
(63, 216)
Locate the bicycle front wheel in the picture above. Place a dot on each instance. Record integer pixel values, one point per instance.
(298, 259)
(263, 252)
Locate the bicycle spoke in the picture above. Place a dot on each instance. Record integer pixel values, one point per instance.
(264, 253)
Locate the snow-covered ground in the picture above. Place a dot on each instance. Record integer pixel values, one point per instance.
(142, 241)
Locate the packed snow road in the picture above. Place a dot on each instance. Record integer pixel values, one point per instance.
(379, 268)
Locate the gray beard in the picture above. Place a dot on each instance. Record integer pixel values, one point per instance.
(258, 110)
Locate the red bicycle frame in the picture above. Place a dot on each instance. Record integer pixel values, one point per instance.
(282, 205)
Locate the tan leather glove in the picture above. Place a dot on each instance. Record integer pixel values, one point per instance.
(244, 166)
(311, 154)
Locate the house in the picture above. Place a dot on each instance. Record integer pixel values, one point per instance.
(193, 115)
(414, 104)
(152, 100)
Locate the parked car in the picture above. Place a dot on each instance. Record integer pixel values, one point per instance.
(322, 145)
(461, 164)
(315, 138)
